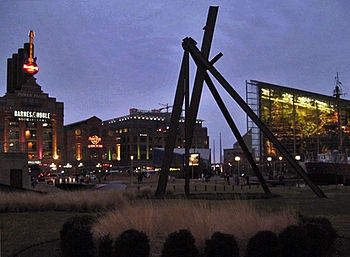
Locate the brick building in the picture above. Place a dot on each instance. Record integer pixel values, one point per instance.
(29, 118)
(142, 130)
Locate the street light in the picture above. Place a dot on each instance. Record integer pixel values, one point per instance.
(269, 166)
(280, 158)
(237, 159)
(131, 167)
(132, 163)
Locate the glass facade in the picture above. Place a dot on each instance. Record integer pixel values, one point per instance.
(306, 123)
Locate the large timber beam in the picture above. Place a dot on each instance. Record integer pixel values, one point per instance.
(236, 133)
(192, 109)
(173, 127)
(189, 45)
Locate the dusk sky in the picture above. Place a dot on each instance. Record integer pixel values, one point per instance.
(104, 57)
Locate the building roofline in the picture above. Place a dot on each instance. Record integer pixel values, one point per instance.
(289, 89)
(82, 121)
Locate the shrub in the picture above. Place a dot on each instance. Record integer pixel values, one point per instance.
(105, 246)
(76, 237)
(318, 240)
(132, 243)
(294, 242)
(181, 243)
(221, 245)
(320, 231)
(264, 244)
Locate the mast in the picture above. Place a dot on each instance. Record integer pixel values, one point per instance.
(337, 92)
(214, 154)
(220, 154)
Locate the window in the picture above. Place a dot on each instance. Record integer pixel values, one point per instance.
(13, 134)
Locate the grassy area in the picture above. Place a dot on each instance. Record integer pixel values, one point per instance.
(19, 230)
(162, 217)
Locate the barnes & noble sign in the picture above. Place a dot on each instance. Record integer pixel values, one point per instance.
(32, 115)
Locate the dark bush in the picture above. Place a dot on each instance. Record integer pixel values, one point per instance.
(264, 244)
(327, 234)
(105, 246)
(318, 239)
(221, 245)
(76, 237)
(294, 242)
(181, 243)
(132, 243)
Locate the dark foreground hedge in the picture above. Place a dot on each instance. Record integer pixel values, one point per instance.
(312, 237)
(76, 237)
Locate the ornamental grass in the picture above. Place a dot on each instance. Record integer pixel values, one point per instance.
(160, 218)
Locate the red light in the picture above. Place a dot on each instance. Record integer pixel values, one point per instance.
(30, 68)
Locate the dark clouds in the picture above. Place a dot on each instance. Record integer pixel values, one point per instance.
(103, 57)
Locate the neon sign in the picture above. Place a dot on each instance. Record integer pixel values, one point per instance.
(30, 67)
(95, 140)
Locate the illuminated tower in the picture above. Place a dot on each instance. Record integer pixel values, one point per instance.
(30, 120)
(21, 66)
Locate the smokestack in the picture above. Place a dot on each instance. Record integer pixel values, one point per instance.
(10, 87)
(19, 68)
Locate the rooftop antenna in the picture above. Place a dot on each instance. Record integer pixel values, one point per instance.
(166, 107)
(337, 92)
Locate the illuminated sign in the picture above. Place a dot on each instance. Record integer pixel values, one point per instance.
(31, 68)
(95, 140)
(31, 115)
(194, 159)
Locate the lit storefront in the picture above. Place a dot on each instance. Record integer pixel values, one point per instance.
(90, 146)
(30, 120)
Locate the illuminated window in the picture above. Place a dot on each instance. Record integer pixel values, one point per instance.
(27, 133)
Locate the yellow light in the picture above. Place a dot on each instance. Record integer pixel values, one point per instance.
(56, 157)
(118, 152)
(237, 158)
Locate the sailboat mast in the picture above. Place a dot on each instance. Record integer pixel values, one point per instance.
(337, 92)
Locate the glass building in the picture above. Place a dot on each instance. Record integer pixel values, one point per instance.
(306, 123)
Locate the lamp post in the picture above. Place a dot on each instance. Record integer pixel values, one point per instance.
(131, 167)
(280, 159)
(230, 164)
(237, 159)
(270, 170)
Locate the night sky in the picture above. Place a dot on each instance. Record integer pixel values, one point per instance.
(104, 57)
